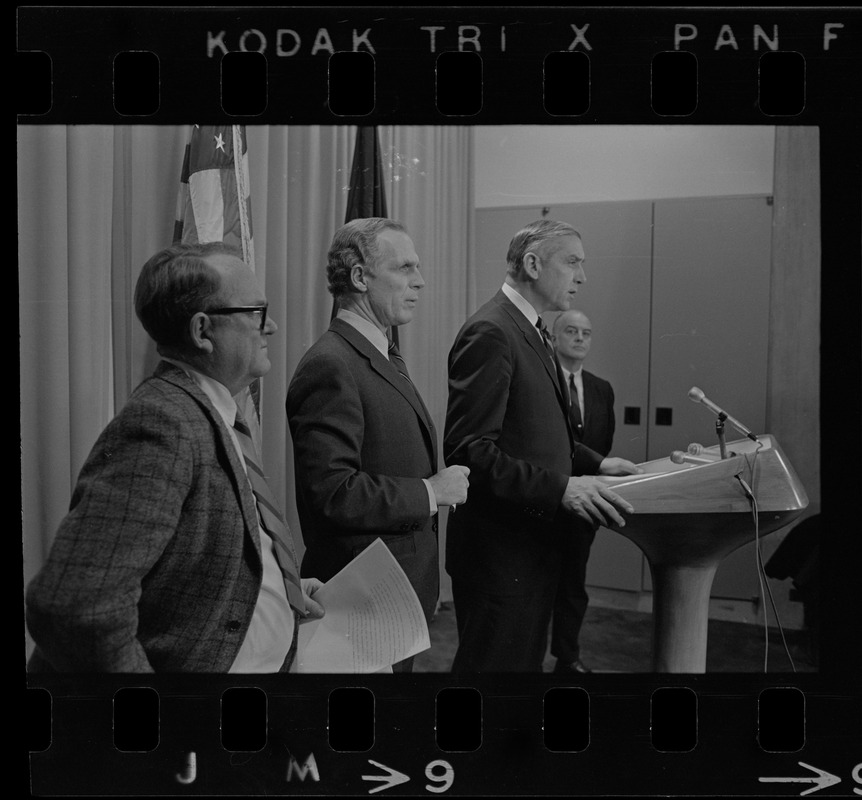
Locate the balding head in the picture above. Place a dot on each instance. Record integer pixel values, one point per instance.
(573, 333)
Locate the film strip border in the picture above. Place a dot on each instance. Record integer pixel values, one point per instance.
(469, 65)
(337, 736)
(635, 735)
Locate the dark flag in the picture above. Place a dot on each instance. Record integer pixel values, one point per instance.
(367, 196)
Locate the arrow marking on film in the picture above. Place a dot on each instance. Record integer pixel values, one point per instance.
(821, 780)
(393, 778)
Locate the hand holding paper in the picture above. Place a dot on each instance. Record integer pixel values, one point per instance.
(313, 609)
(373, 618)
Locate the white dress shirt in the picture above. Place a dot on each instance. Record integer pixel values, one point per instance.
(579, 385)
(523, 305)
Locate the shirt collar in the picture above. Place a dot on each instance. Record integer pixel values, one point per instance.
(368, 329)
(218, 393)
(521, 304)
(576, 373)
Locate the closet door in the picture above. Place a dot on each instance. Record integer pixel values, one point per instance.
(615, 297)
(710, 324)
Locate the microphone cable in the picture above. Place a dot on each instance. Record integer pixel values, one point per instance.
(761, 572)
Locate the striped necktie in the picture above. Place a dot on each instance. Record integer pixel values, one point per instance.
(398, 361)
(270, 517)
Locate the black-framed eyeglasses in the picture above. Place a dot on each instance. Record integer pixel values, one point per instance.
(244, 310)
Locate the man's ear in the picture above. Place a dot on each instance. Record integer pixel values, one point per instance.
(531, 265)
(359, 278)
(200, 332)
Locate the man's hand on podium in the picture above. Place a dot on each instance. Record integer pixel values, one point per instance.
(619, 466)
(593, 501)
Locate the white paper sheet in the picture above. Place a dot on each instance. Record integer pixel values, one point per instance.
(373, 618)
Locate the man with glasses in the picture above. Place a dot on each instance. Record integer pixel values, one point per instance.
(173, 556)
(365, 447)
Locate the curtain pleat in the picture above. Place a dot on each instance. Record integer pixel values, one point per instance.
(94, 202)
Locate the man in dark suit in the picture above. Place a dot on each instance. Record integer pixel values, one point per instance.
(365, 448)
(508, 421)
(591, 408)
(165, 561)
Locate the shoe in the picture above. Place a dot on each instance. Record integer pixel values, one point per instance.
(574, 666)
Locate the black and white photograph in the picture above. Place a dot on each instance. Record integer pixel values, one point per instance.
(324, 416)
(695, 242)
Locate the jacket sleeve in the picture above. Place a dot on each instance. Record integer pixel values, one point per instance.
(81, 608)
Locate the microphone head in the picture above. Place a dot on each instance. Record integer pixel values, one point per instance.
(678, 457)
(695, 394)
(695, 449)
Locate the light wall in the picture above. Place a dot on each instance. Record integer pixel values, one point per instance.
(520, 165)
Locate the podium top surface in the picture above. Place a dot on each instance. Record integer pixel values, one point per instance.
(709, 484)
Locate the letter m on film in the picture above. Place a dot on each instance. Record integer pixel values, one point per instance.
(309, 767)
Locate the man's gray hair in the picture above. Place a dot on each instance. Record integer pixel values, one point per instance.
(355, 243)
(534, 237)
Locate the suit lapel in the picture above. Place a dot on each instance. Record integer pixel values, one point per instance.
(176, 376)
(590, 397)
(534, 341)
(387, 371)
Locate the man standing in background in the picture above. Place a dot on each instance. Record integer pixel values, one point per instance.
(508, 421)
(591, 409)
(365, 448)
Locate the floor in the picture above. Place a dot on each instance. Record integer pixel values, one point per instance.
(615, 639)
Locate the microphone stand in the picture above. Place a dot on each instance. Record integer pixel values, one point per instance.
(719, 429)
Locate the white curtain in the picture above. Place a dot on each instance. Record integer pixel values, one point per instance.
(94, 202)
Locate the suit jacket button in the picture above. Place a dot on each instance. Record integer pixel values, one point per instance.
(233, 626)
(434, 526)
(405, 527)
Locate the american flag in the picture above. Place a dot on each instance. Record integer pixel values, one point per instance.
(214, 204)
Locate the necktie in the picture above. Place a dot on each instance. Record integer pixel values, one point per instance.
(574, 404)
(398, 361)
(549, 346)
(546, 336)
(270, 517)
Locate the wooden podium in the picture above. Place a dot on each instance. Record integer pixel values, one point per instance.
(688, 517)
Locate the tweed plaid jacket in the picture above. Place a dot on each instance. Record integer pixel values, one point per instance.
(157, 565)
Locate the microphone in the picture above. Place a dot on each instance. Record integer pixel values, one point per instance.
(678, 457)
(697, 396)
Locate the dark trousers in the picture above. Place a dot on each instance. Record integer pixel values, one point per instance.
(403, 666)
(570, 603)
(501, 633)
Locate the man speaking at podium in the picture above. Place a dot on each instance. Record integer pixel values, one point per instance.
(508, 421)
